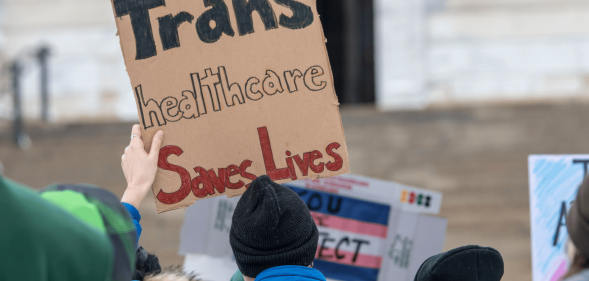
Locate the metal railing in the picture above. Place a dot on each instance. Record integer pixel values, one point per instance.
(16, 68)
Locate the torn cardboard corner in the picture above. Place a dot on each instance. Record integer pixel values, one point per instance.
(241, 89)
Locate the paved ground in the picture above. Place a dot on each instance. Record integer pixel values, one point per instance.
(476, 156)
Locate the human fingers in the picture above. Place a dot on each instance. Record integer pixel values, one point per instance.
(136, 139)
(156, 144)
(136, 130)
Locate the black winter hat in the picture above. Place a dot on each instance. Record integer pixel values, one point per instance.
(466, 263)
(271, 226)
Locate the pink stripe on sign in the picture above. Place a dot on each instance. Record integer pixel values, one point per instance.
(347, 258)
(350, 225)
(560, 271)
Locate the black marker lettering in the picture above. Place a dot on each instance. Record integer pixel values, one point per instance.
(138, 10)
(331, 208)
(302, 15)
(220, 15)
(170, 109)
(337, 255)
(323, 247)
(243, 14)
(272, 84)
(169, 29)
(201, 107)
(310, 75)
(231, 92)
(150, 108)
(584, 162)
(209, 82)
(249, 86)
(319, 204)
(561, 222)
(358, 245)
(188, 105)
(291, 79)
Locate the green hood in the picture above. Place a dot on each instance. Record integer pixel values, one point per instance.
(40, 241)
(103, 211)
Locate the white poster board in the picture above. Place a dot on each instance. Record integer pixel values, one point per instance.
(554, 180)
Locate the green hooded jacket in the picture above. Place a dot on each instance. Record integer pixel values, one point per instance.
(40, 241)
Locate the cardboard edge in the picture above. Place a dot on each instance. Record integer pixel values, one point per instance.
(319, 25)
(127, 70)
(117, 34)
(229, 196)
(337, 103)
(159, 210)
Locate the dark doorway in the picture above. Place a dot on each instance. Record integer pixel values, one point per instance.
(349, 30)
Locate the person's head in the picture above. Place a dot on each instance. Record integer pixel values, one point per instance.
(466, 263)
(42, 241)
(147, 268)
(145, 264)
(578, 229)
(271, 227)
(174, 273)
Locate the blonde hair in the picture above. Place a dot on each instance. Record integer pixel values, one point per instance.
(172, 274)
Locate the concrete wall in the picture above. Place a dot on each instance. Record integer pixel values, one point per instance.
(88, 79)
(427, 52)
(482, 50)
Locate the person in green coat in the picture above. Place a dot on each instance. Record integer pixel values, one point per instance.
(40, 241)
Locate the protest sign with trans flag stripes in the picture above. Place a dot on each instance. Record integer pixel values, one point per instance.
(369, 229)
(352, 234)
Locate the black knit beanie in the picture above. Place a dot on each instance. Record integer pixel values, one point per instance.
(271, 227)
(466, 263)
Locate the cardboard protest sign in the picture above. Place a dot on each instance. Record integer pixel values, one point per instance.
(554, 180)
(241, 89)
(363, 234)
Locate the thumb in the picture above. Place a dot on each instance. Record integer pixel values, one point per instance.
(156, 144)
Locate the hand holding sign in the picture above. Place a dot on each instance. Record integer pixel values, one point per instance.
(139, 167)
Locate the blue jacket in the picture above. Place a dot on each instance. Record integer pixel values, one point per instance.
(290, 273)
(136, 218)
